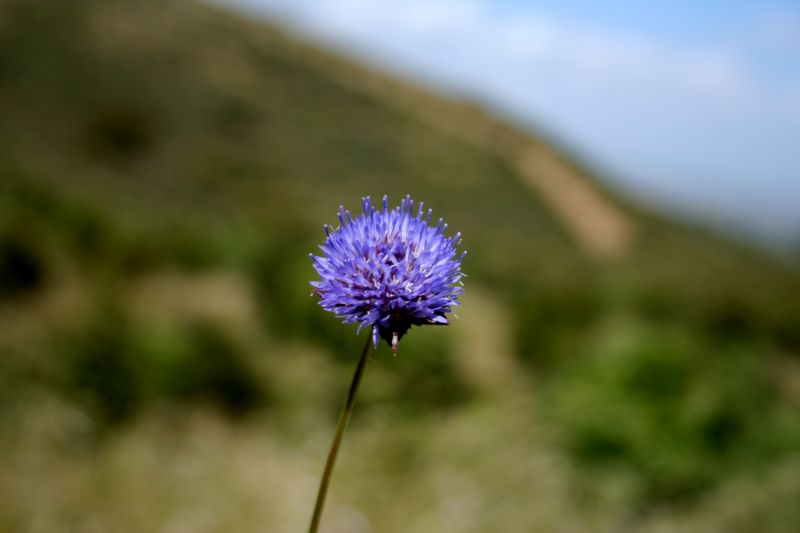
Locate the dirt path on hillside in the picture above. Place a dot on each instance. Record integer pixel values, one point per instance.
(603, 230)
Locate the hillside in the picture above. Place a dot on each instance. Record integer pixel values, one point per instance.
(165, 168)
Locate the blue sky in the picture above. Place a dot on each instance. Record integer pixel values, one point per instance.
(694, 105)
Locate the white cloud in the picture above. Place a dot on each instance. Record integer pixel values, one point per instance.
(443, 35)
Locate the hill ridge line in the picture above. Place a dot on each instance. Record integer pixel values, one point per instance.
(602, 230)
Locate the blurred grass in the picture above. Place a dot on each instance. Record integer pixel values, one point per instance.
(165, 169)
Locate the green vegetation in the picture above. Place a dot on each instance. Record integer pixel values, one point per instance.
(165, 169)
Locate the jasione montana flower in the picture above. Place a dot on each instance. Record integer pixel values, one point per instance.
(389, 270)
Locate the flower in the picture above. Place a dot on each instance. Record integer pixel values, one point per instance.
(389, 270)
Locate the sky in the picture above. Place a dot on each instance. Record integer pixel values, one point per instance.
(690, 105)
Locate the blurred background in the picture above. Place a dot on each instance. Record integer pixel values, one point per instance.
(627, 356)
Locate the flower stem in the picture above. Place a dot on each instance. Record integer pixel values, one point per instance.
(334, 451)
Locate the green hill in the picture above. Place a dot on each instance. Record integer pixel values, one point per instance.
(165, 168)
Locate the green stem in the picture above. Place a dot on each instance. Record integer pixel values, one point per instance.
(334, 451)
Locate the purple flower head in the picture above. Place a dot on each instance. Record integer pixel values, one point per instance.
(389, 270)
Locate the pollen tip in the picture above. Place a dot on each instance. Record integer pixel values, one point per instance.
(395, 342)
